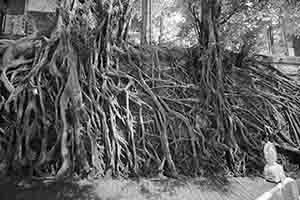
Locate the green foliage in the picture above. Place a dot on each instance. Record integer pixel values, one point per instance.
(249, 19)
(241, 21)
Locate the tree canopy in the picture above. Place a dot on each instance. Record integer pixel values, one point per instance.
(240, 21)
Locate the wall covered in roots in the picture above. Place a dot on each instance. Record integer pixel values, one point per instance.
(91, 103)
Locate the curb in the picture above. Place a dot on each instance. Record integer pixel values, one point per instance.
(287, 190)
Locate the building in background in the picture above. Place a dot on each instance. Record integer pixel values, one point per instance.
(17, 15)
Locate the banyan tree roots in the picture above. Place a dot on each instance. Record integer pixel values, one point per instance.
(88, 103)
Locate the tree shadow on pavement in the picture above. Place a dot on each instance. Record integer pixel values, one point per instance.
(53, 191)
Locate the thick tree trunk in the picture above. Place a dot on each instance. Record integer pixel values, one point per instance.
(270, 39)
(146, 22)
(209, 72)
(283, 31)
(296, 46)
(209, 36)
(161, 27)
